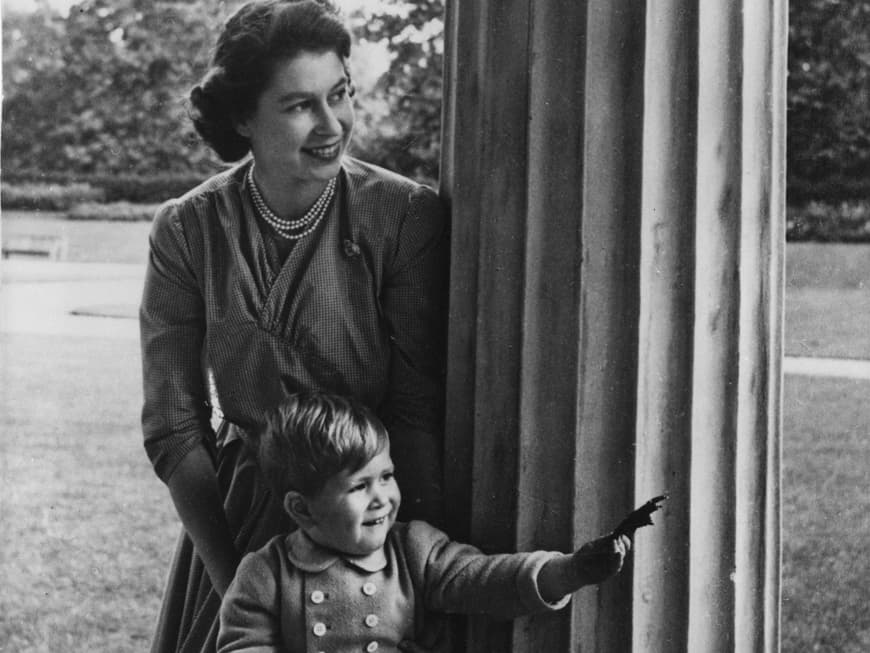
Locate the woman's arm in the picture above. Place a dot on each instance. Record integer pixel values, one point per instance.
(414, 301)
(175, 415)
(195, 493)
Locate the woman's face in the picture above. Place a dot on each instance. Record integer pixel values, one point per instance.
(303, 120)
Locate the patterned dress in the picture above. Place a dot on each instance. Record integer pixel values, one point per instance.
(357, 307)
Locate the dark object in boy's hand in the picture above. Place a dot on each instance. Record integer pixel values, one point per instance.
(640, 517)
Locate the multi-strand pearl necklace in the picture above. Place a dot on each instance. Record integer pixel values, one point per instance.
(292, 229)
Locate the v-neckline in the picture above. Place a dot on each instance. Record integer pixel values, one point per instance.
(278, 282)
(276, 255)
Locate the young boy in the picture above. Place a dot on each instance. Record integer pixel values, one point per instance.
(351, 578)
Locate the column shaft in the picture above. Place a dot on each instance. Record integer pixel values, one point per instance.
(667, 268)
(615, 174)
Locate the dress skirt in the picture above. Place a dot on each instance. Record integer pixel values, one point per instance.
(188, 620)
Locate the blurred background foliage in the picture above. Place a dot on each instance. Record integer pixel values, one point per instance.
(829, 100)
(99, 97)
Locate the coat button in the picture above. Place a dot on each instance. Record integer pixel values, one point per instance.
(372, 620)
(317, 596)
(371, 647)
(369, 589)
(319, 629)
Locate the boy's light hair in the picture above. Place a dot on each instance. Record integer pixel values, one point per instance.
(314, 435)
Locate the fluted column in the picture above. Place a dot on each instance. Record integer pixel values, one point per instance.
(617, 202)
(667, 270)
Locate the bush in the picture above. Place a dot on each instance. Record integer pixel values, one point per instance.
(143, 189)
(115, 211)
(155, 190)
(831, 190)
(820, 221)
(47, 197)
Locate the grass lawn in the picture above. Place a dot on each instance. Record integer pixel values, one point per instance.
(88, 531)
(827, 310)
(826, 454)
(87, 528)
(826, 515)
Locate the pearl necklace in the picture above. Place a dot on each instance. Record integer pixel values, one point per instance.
(292, 229)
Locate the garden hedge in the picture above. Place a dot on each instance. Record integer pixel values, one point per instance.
(139, 189)
(47, 196)
(829, 222)
(113, 211)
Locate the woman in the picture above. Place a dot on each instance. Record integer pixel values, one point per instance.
(299, 268)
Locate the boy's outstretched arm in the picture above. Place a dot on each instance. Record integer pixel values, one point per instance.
(597, 560)
(593, 563)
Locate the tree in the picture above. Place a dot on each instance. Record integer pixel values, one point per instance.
(400, 125)
(32, 68)
(829, 100)
(106, 86)
(103, 91)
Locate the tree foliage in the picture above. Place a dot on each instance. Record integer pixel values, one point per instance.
(103, 90)
(829, 99)
(400, 118)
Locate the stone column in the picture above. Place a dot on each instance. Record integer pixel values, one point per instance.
(617, 202)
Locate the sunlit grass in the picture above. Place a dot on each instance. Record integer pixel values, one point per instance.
(828, 300)
(826, 515)
(87, 528)
(828, 322)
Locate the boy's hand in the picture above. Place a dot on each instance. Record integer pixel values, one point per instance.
(597, 560)
(640, 517)
(600, 559)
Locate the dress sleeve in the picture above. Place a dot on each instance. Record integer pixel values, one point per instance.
(249, 619)
(414, 303)
(175, 415)
(459, 578)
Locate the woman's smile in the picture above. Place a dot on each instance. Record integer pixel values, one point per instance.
(324, 152)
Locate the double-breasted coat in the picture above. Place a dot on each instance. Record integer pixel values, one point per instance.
(293, 596)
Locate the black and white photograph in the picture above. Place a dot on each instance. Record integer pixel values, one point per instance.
(435, 326)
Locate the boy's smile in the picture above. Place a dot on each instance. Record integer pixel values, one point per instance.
(354, 511)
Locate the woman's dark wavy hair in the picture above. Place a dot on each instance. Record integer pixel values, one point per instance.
(254, 39)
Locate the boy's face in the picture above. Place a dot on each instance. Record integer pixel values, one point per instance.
(355, 510)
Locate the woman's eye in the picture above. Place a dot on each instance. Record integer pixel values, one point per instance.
(338, 96)
(299, 107)
(359, 487)
(388, 476)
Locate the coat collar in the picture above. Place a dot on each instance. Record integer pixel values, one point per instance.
(309, 556)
